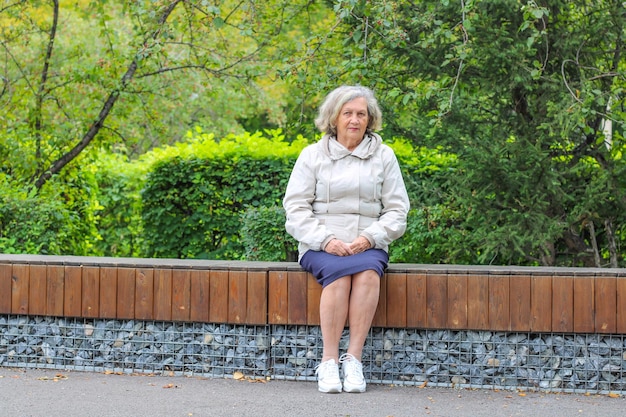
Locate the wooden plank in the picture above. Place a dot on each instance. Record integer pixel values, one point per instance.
(237, 296)
(56, 290)
(181, 294)
(396, 299)
(416, 300)
(37, 290)
(90, 306)
(457, 301)
(296, 290)
(72, 301)
(199, 295)
(520, 301)
(478, 302)
(277, 298)
(144, 294)
(314, 293)
(108, 292)
(620, 289)
(257, 298)
(584, 305)
(218, 307)
(437, 300)
(126, 285)
(380, 316)
(541, 303)
(19, 289)
(499, 304)
(562, 304)
(5, 288)
(606, 304)
(162, 309)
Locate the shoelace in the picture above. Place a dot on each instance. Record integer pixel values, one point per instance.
(353, 368)
(328, 370)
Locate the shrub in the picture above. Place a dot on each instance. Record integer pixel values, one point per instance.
(264, 237)
(57, 220)
(118, 217)
(195, 194)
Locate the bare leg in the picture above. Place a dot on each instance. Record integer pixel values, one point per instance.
(334, 303)
(363, 304)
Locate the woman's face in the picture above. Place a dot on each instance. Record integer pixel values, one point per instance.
(352, 120)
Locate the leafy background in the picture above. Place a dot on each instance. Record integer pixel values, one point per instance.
(167, 128)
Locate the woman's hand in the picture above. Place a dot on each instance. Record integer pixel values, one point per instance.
(339, 248)
(360, 244)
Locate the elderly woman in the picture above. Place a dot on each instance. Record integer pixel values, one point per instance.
(345, 203)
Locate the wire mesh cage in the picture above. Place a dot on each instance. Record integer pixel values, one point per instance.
(464, 359)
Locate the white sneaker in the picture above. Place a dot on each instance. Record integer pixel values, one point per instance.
(328, 377)
(353, 380)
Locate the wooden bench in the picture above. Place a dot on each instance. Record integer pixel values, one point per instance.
(518, 299)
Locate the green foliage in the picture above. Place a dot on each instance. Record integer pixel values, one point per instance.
(513, 112)
(55, 221)
(118, 217)
(193, 200)
(264, 237)
(532, 109)
(134, 75)
(433, 237)
(222, 199)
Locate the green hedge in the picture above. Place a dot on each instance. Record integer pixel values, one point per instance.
(59, 219)
(222, 199)
(195, 197)
(264, 238)
(118, 218)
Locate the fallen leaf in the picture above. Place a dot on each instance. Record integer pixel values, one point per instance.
(256, 380)
(522, 394)
(170, 386)
(238, 376)
(424, 384)
(614, 395)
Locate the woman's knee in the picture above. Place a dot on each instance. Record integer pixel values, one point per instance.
(367, 278)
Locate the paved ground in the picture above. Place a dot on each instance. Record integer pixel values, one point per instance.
(50, 393)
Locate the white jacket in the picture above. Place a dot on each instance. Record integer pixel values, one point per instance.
(335, 193)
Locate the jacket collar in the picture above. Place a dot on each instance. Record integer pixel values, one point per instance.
(336, 150)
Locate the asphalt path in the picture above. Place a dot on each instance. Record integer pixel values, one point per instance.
(53, 393)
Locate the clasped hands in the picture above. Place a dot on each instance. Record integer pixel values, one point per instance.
(339, 248)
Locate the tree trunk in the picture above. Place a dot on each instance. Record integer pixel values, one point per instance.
(608, 225)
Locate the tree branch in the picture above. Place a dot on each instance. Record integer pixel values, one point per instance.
(41, 91)
(95, 127)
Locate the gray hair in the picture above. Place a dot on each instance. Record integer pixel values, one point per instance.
(326, 121)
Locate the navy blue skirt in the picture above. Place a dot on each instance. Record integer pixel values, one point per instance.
(327, 268)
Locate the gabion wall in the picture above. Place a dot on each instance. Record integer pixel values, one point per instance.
(588, 363)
